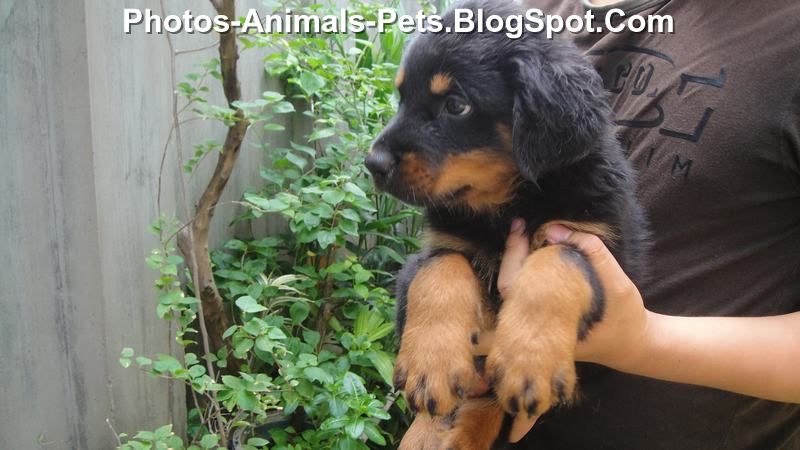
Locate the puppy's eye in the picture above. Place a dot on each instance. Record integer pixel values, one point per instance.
(456, 106)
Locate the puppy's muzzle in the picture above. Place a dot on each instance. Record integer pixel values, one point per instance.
(380, 163)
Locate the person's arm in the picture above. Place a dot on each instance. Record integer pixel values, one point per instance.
(757, 356)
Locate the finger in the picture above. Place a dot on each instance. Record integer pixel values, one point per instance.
(522, 425)
(598, 254)
(517, 248)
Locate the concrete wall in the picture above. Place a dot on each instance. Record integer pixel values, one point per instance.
(84, 113)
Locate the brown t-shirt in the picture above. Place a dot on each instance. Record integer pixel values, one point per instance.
(710, 116)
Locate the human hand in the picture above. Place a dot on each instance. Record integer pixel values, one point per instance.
(614, 340)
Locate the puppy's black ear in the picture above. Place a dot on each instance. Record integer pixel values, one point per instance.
(560, 108)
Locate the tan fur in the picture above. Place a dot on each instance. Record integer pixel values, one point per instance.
(436, 239)
(537, 331)
(444, 311)
(601, 230)
(399, 78)
(506, 136)
(440, 83)
(490, 178)
(476, 427)
(415, 172)
(424, 433)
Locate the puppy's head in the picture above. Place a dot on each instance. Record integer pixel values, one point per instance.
(480, 112)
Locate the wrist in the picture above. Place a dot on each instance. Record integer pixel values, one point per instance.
(642, 347)
(630, 352)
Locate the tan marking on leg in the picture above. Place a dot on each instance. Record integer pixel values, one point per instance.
(489, 177)
(476, 427)
(424, 433)
(435, 364)
(437, 239)
(533, 356)
(440, 83)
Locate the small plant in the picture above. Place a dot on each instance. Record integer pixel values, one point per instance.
(306, 357)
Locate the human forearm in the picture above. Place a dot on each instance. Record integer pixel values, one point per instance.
(758, 356)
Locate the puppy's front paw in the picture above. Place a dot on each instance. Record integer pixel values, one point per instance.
(476, 425)
(532, 370)
(435, 367)
(424, 433)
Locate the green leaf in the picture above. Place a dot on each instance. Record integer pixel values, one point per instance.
(326, 238)
(362, 291)
(380, 331)
(247, 401)
(274, 127)
(142, 361)
(355, 427)
(304, 148)
(333, 423)
(349, 214)
(249, 305)
(167, 364)
(355, 190)
(298, 312)
(311, 337)
(353, 384)
(272, 96)
(257, 442)
(373, 433)
(233, 382)
(283, 108)
(321, 134)
(264, 343)
(383, 363)
(311, 220)
(318, 374)
(337, 407)
(298, 161)
(333, 197)
(276, 333)
(209, 441)
(243, 347)
(310, 82)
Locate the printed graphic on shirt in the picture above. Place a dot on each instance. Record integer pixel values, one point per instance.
(654, 90)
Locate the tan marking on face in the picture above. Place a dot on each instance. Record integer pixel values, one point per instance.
(489, 176)
(415, 172)
(506, 139)
(399, 78)
(440, 83)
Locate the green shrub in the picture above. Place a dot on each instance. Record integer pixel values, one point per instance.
(312, 338)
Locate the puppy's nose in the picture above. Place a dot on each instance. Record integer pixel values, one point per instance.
(379, 162)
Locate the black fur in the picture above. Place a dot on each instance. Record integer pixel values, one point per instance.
(563, 143)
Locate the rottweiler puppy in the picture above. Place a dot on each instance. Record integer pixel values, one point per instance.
(489, 129)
